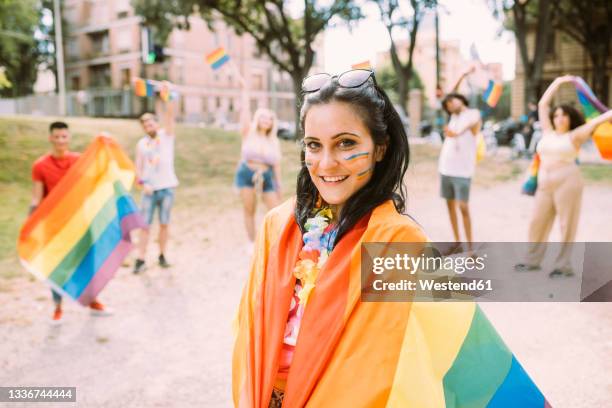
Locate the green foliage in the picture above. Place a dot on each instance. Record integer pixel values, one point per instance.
(386, 77)
(19, 52)
(286, 39)
(164, 15)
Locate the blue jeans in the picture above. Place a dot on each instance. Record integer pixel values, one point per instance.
(57, 298)
(244, 178)
(163, 200)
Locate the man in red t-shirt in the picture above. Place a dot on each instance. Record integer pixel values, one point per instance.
(47, 172)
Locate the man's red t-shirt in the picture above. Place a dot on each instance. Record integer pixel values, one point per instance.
(49, 170)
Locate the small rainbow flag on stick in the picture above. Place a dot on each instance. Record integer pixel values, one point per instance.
(79, 235)
(362, 65)
(143, 87)
(140, 87)
(592, 107)
(217, 58)
(492, 93)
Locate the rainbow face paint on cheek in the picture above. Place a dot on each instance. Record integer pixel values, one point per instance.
(356, 157)
(364, 173)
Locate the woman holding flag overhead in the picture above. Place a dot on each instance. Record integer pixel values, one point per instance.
(259, 165)
(304, 336)
(559, 182)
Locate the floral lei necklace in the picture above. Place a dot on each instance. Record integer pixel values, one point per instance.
(318, 243)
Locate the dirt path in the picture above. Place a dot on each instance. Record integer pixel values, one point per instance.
(169, 343)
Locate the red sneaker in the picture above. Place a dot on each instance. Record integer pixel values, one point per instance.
(57, 315)
(98, 309)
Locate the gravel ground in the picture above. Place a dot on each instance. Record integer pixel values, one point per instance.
(169, 342)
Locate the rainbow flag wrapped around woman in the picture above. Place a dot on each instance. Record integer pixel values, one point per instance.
(79, 235)
(351, 353)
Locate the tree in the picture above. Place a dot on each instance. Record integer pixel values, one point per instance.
(19, 52)
(285, 39)
(521, 16)
(588, 22)
(392, 16)
(387, 79)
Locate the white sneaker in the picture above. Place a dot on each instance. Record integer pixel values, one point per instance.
(97, 309)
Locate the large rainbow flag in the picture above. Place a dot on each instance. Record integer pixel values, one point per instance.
(351, 353)
(592, 107)
(79, 235)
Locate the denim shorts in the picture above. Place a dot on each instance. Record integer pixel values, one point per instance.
(455, 188)
(161, 199)
(245, 175)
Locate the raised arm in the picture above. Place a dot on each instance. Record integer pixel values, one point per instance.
(165, 111)
(465, 73)
(245, 109)
(546, 99)
(582, 133)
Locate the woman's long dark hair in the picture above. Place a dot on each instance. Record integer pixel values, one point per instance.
(575, 117)
(382, 120)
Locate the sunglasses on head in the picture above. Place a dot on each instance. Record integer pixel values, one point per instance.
(349, 79)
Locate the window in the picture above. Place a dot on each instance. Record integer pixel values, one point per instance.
(75, 83)
(218, 102)
(257, 81)
(70, 13)
(99, 42)
(72, 47)
(125, 77)
(100, 76)
(231, 105)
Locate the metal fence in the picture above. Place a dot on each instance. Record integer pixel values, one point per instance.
(98, 103)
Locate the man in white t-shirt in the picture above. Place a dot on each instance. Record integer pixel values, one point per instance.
(458, 160)
(155, 173)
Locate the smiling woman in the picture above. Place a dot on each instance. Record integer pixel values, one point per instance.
(304, 336)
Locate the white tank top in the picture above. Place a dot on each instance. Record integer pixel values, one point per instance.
(557, 148)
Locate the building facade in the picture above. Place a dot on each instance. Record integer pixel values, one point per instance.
(452, 64)
(103, 54)
(563, 56)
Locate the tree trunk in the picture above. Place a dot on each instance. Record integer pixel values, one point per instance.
(297, 89)
(402, 92)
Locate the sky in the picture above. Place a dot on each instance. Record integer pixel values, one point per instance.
(469, 21)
